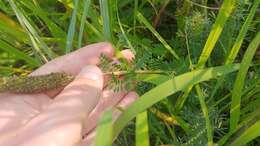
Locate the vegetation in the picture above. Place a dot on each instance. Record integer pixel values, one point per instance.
(203, 57)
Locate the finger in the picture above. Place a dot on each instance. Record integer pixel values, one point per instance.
(108, 99)
(124, 103)
(128, 54)
(89, 139)
(61, 123)
(72, 63)
(86, 89)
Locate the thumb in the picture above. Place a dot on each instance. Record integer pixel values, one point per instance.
(84, 91)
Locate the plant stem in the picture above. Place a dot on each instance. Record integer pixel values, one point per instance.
(119, 73)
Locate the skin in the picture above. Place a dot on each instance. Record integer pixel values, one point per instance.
(63, 117)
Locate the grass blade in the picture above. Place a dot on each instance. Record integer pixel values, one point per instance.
(95, 30)
(14, 70)
(12, 28)
(239, 40)
(158, 79)
(224, 13)
(19, 54)
(135, 13)
(55, 30)
(206, 115)
(239, 83)
(82, 21)
(181, 100)
(142, 130)
(35, 38)
(236, 47)
(167, 88)
(104, 130)
(251, 117)
(143, 20)
(105, 8)
(72, 27)
(153, 78)
(251, 133)
(122, 30)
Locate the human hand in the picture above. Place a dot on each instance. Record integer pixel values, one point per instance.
(63, 117)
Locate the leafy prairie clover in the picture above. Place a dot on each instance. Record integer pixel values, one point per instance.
(35, 84)
(116, 69)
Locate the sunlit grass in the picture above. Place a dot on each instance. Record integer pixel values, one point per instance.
(35, 32)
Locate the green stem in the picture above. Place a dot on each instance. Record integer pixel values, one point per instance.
(119, 73)
(206, 115)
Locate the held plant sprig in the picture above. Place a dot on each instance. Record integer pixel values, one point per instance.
(35, 84)
(42, 83)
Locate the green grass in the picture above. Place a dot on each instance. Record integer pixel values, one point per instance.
(38, 44)
(105, 126)
(105, 9)
(204, 109)
(225, 11)
(210, 45)
(141, 131)
(72, 28)
(237, 45)
(82, 22)
(168, 88)
(19, 54)
(240, 80)
(142, 19)
(247, 135)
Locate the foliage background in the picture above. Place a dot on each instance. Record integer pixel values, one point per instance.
(171, 36)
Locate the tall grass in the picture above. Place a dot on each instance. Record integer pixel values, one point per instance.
(34, 32)
(142, 19)
(40, 47)
(71, 30)
(168, 88)
(105, 9)
(240, 80)
(237, 45)
(105, 126)
(82, 21)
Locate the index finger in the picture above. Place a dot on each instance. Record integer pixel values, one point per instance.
(73, 63)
